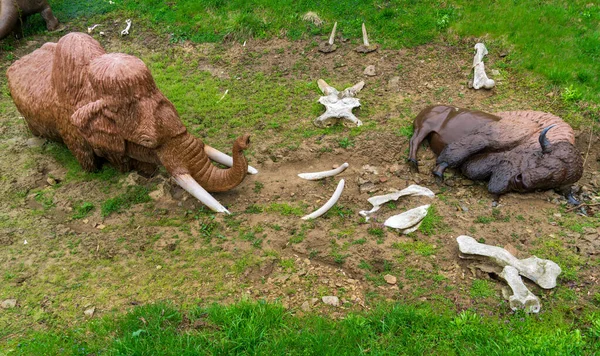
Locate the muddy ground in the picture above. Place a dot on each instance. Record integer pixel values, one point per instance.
(57, 266)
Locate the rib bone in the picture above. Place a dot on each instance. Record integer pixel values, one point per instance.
(379, 200)
(542, 272)
(522, 298)
(330, 203)
(324, 174)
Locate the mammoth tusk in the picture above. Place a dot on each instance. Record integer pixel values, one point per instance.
(332, 37)
(544, 142)
(365, 37)
(188, 183)
(324, 174)
(330, 203)
(223, 158)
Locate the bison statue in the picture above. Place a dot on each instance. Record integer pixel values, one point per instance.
(516, 150)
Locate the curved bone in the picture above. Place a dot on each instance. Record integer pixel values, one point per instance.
(332, 37)
(329, 46)
(522, 298)
(413, 189)
(324, 174)
(330, 203)
(188, 183)
(365, 47)
(126, 30)
(223, 158)
(542, 272)
(408, 220)
(365, 37)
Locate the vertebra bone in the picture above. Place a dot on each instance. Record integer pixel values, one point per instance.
(338, 105)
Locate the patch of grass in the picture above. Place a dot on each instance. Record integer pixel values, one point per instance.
(259, 328)
(484, 219)
(345, 142)
(65, 158)
(46, 198)
(82, 209)
(419, 247)
(432, 222)
(135, 194)
(285, 209)
(258, 186)
(482, 289)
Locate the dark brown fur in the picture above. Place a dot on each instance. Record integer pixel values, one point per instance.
(108, 106)
(14, 12)
(503, 148)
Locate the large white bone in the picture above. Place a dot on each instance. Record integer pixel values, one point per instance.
(480, 79)
(408, 221)
(379, 200)
(330, 203)
(324, 174)
(188, 183)
(522, 298)
(542, 272)
(223, 158)
(338, 105)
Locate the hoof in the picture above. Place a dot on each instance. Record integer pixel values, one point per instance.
(439, 170)
(413, 164)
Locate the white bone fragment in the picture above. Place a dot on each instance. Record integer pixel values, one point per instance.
(365, 37)
(188, 183)
(332, 36)
(480, 79)
(408, 219)
(226, 91)
(367, 213)
(329, 46)
(410, 190)
(223, 158)
(522, 298)
(90, 29)
(412, 229)
(126, 30)
(330, 203)
(338, 105)
(542, 272)
(324, 174)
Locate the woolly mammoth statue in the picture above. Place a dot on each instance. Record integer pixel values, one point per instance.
(14, 12)
(517, 150)
(108, 106)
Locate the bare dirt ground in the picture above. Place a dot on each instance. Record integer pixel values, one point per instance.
(170, 249)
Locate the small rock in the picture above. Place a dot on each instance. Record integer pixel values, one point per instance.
(314, 301)
(35, 142)
(9, 303)
(394, 83)
(159, 267)
(90, 312)
(100, 226)
(370, 71)
(368, 188)
(370, 169)
(305, 306)
(495, 72)
(389, 279)
(331, 300)
(464, 208)
(132, 179)
(557, 215)
(510, 248)
(51, 181)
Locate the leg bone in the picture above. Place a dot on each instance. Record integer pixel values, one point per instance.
(522, 298)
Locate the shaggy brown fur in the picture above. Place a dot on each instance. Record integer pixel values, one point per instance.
(14, 12)
(108, 106)
(504, 147)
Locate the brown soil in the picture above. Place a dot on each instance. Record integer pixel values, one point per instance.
(138, 256)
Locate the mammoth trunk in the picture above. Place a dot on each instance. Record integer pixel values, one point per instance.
(185, 155)
(9, 16)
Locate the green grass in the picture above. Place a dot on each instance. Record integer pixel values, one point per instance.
(256, 328)
(135, 194)
(433, 223)
(82, 209)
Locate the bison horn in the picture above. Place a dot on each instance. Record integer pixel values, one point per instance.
(544, 140)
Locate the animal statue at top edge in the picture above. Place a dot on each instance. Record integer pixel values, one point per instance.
(517, 151)
(107, 105)
(14, 12)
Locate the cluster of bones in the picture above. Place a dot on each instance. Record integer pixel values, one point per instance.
(83, 97)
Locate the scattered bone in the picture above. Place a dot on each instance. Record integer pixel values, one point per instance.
(126, 30)
(522, 298)
(188, 183)
(223, 158)
(366, 47)
(480, 79)
(542, 272)
(414, 190)
(329, 46)
(330, 203)
(222, 97)
(338, 105)
(313, 18)
(324, 174)
(409, 220)
(90, 29)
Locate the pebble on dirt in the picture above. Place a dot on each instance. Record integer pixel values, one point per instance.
(389, 279)
(331, 300)
(9, 303)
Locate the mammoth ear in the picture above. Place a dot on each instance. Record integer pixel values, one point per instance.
(94, 121)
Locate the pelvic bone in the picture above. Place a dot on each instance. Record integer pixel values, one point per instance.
(338, 105)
